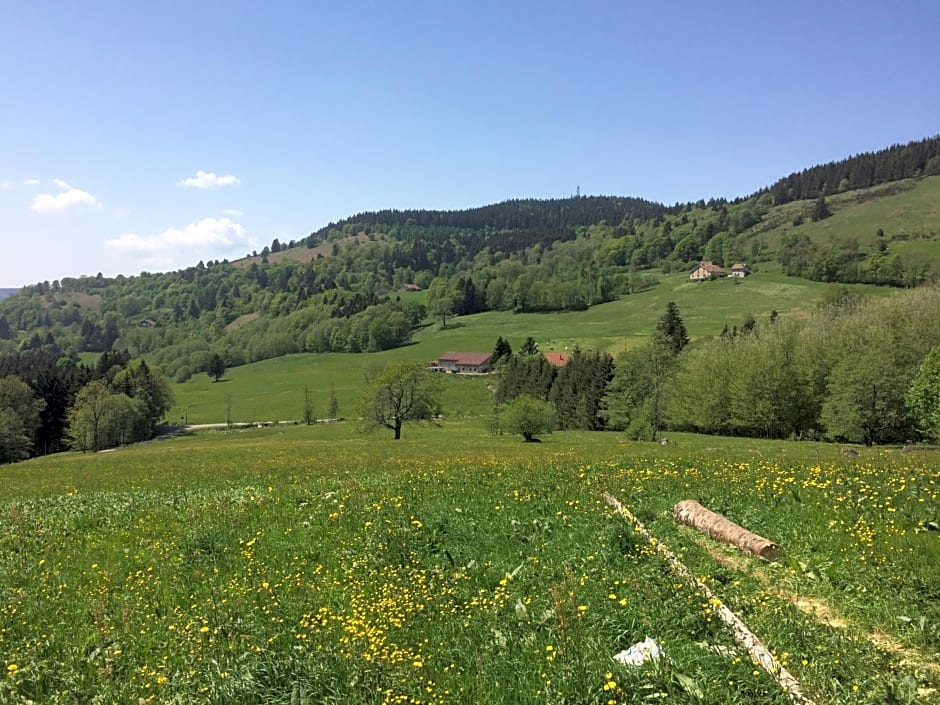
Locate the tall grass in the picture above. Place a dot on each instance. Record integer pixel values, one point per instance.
(310, 564)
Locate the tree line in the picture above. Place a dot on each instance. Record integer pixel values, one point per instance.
(860, 371)
(49, 403)
(917, 158)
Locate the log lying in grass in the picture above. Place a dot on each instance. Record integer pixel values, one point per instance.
(756, 649)
(694, 514)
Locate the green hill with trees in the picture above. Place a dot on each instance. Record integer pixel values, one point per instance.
(593, 273)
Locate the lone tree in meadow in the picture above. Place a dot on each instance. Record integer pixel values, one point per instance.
(528, 416)
(403, 391)
(215, 368)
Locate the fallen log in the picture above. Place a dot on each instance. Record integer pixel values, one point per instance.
(693, 514)
(756, 649)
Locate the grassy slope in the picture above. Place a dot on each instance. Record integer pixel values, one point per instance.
(907, 211)
(274, 389)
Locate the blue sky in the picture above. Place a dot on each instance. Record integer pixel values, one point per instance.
(148, 137)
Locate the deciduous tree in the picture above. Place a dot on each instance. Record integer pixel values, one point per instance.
(215, 368)
(100, 418)
(401, 392)
(923, 396)
(442, 299)
(19, 419)
(636, 396)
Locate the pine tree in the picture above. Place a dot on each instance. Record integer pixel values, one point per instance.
(672, 329)
(502, 351)
(821, 208)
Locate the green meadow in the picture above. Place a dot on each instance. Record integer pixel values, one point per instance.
(300, 564)
(274, 389)
(907, 211)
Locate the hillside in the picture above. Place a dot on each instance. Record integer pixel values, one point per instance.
(340, 290)
(274, 389)
(305, 320)
(4, 293)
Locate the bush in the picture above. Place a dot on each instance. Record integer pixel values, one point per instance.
(528, 417)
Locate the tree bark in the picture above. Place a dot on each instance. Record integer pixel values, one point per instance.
(721, 529)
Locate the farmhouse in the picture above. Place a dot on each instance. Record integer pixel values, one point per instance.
(410, 287)
(740, 271)
(558, 359)
(707, 270)
(474, 362)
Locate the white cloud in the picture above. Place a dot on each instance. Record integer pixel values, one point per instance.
(70, 197)
(207, 233)
(31, 182)
(209, 180)
(4, 185)
(233, 212)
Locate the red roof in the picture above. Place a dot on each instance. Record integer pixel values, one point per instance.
(558, 359)
(711, 267)
(473, 359)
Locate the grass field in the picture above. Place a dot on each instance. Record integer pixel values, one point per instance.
(274, 389)
(313, 564)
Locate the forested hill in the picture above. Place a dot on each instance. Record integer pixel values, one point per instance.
(560, 215)
(531, 220)
(860, 171)
(4, 293)
(340, 288)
